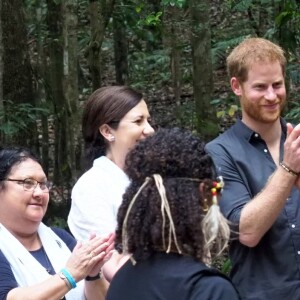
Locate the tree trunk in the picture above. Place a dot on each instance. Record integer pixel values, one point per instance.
(71, 85)
(61, 173)
(17, 73)
(99, 18)
(41, 66)
(202, 67)
(94, 47)
(172, 37)
(1, 70)
(120, 48)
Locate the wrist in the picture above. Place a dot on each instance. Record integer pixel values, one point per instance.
(288, 169)
(64, 278)
(93, 278)
(65, 274)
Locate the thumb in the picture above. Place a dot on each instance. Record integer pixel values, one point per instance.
(289, 128)
(78, 245)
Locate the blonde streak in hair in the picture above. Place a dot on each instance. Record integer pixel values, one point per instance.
(162, 193)
(124, 227)
(215, 229)
(166, 207)
(162, 212)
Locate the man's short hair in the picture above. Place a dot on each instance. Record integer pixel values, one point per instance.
(253, 50)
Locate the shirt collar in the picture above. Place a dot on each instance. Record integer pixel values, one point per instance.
(245, 132)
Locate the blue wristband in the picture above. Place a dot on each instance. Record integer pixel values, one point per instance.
(69, 277)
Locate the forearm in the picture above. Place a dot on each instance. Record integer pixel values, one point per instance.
(259, 214)
(51, 289)
(96, 290)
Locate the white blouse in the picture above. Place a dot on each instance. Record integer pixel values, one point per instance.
(96, 198)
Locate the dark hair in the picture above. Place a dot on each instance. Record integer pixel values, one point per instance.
(12, 156)
(181, 161)
(107, 105)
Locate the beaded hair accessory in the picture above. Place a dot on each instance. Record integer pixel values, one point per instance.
(214, 226)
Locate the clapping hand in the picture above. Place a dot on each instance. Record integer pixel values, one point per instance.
(88, 258)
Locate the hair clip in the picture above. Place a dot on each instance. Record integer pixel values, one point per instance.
(219, 184)
(214, 196)
(217, 187)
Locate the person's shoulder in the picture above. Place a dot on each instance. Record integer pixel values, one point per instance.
(223, 137)
(96, 174)
(61, 232)
(222, 142)
(214, 285)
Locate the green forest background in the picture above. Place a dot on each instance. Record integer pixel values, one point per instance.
(54, 53)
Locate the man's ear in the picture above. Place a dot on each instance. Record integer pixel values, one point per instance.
(106, 132)
(236, 86)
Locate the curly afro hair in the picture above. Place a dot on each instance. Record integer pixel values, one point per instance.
(180, 159)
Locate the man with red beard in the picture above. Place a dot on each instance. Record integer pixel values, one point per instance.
(259, 159)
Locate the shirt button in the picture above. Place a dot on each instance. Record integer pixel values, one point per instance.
(265, 150)
(298, 252)
(293, 225)
(256, 135)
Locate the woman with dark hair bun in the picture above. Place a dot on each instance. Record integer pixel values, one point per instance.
(114, 119)
(169, 223)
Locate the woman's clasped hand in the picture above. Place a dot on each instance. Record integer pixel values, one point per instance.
(88, 258)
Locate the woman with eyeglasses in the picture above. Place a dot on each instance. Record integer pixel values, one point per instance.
(38, 262)
(114, 119)
(169, 224)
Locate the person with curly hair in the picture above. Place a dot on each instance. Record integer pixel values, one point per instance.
(169, 223)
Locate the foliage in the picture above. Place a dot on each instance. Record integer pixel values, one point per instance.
(226, 267)
(288, 22)
(16, 118)
(178, 3)
(242, 5)
(188, 115)
(220, 49)
(153, 19)
(148, 68)
(143, 22)
(227, 109)
(57, 222)
(293, 115)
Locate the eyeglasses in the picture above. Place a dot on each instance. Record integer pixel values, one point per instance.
(31, 184)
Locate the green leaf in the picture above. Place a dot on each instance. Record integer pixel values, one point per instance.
(232, 110)
(221, 114)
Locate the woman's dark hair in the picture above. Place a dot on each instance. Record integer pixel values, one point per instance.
(12, 156)
(107, 105)
(181, 161)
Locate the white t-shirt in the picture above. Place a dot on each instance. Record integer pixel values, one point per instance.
(96, 198)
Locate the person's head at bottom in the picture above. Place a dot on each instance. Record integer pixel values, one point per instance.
(171, 203)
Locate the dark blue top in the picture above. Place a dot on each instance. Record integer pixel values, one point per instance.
(7, 278)
(170, 277)
(271, 270)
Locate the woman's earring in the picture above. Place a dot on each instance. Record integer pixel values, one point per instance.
(112, 139)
